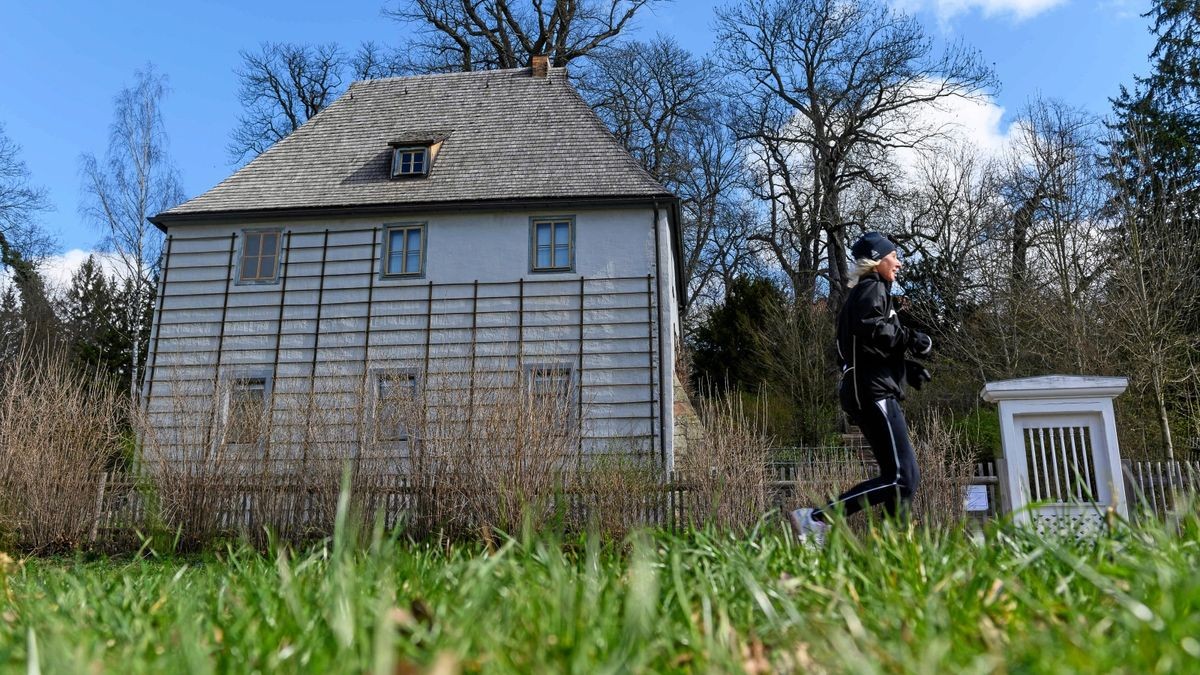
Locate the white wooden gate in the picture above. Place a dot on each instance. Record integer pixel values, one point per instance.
(1061, 466)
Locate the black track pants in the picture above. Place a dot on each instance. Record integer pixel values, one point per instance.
(882, 424)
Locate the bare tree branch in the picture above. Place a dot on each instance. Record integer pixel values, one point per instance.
(465, 35)
(135, 180)
(847, 80)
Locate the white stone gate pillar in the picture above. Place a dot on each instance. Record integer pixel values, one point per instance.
(1061, 468)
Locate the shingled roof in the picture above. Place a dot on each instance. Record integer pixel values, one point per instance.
(507, 136)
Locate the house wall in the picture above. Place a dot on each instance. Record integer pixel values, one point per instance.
(332, 319)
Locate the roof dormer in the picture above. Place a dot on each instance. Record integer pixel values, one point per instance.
(413, 154)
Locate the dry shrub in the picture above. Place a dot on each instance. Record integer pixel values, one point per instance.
(619, 492)
(821, 477)
(464, 456)
(946, 470)
(724, 472)
(223, 465)
(502, 459)
(59, 430)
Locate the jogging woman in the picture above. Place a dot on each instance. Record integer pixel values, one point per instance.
(871, 344)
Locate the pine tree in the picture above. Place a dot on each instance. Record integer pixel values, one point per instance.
(724, 348)
(90, 315)
(1156, 152)
(11, 326)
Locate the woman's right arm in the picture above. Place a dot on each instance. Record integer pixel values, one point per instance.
(874, 321)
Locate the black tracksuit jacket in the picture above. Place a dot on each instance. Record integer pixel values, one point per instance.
(871, 343)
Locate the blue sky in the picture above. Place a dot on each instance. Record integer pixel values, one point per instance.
(62, 62)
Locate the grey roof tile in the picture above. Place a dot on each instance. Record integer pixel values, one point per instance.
(508, 135)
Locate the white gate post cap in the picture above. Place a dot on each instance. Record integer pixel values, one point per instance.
(1054, 387)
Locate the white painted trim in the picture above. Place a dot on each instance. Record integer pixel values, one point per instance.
(1054, 387)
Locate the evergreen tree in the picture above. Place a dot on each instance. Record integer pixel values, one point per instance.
(90, 315)
(1154, 167)
(1154, 157)
(11, 326)
(724, 345)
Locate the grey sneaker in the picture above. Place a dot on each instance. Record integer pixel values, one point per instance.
(807, 529)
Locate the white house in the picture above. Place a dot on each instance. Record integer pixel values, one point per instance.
(483, 220)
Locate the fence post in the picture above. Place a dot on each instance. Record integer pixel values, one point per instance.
(99, 506)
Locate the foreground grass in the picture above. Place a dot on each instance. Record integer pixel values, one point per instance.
(890, 601)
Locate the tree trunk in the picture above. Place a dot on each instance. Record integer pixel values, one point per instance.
(1161, 400)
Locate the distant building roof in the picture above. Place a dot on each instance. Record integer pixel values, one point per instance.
(506, 136)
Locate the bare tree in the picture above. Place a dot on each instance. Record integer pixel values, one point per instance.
(135, 180)
(22, 244)
(777, 175)
(946, 222)
(1149, 305)
(1053, 185)
(282, 86)
(844, 81)
(20, 202)
(662, 103)
(464, 35)
(650, 94)
(373, 61)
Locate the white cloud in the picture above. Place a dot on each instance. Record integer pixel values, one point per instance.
(977, 121)
(947, 9)
(56, 270)
(1125, 9)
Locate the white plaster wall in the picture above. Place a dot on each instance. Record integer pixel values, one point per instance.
(614, 251)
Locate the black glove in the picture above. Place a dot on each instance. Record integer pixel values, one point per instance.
(920, 343)
(916, 374)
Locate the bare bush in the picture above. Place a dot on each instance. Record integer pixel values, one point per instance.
(619, 493)
(947, 469)
(725, 470)
(59, 430)
(501, 461)
(471, 452)
(821, 479)
(223, 464)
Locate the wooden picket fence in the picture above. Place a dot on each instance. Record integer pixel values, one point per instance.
(1157, 489)
(123, 509)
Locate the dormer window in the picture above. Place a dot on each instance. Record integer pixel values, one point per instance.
(412, 161)
(414, 152)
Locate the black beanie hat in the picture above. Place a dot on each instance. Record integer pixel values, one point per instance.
(872, 246)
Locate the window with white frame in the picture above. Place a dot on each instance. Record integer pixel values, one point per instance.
(412, 161)
(397, 404)
(260, 256)
(404, 250)
(246, 408)
(553, 244)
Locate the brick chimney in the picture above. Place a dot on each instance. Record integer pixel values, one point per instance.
(541, 65)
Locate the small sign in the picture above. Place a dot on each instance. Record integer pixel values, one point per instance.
(976, 498)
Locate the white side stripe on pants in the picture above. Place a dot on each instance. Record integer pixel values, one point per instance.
(882, 403)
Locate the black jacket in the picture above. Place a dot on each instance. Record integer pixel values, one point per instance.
(871, 343)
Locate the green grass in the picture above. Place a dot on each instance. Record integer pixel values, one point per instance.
(891, 601)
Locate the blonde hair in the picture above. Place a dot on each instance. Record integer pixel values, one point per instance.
(862, 267)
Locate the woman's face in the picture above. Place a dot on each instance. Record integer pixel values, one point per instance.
(888, 266)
